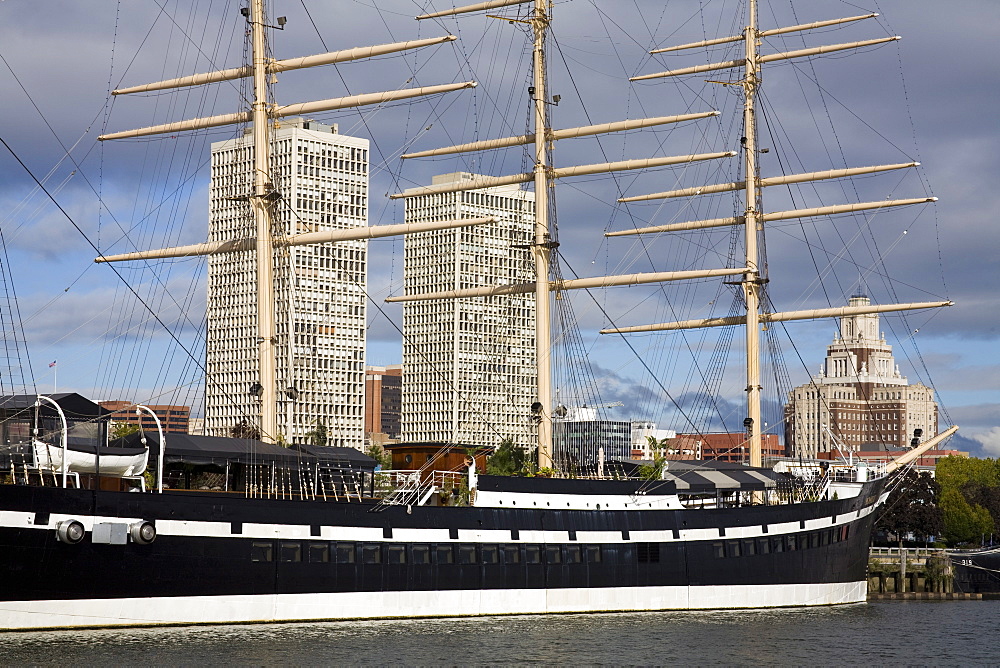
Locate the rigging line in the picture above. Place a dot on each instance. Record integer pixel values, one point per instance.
(823, 95)
(856, 265)
(794, 200)
(628, 209)
(642, 242)
(361, 115)
(15, 315)
(156, 317)
(634, 352)
(67, 153)
(439, 372)
(191, 41)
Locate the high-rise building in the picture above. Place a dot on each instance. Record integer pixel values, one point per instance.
(322, 179)
(383, 400)
(858, 399)
(469, 364)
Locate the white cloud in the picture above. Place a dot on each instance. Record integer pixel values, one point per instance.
(988, 438)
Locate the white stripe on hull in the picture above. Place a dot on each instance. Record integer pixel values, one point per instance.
(382, 605)
(200, 528)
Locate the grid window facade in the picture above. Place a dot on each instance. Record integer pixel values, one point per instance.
(319, 290)
(469, 372)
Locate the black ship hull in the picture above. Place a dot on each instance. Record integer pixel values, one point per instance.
(976, 571)
(221, 558)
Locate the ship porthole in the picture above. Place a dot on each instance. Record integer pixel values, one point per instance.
(142, 533)
(70, 531)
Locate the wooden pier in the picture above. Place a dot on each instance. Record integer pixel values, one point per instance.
(911, 573)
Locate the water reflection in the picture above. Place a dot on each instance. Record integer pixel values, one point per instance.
(922, 632)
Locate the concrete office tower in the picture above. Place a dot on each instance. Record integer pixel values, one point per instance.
(322, 180)
(469, 364)
(858, 399)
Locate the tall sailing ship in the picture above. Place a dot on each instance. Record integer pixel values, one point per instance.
(302, 539)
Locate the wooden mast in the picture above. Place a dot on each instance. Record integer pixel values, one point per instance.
(261, 201)
(752, 279)
(264, 195)
(542, 246)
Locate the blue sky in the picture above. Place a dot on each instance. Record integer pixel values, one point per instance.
(930, 97)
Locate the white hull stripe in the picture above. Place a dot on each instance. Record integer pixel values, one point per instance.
(384, 605)
(193, 528)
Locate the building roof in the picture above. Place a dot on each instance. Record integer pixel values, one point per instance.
(72, 404)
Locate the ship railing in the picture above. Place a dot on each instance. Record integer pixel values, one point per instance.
(801, 490)
(417, 488)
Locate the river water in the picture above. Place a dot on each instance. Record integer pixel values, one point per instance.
(885, 632)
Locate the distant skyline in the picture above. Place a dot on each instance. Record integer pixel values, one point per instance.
(930, 97)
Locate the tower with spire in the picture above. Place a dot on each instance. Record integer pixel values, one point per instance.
(858, 400)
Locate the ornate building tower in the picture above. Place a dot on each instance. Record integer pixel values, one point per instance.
(858, 398)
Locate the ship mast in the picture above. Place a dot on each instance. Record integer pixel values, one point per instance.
(752, 279)
(542, 247)
(753, 218)
(264, 195)
(543, 176)
(262, 201)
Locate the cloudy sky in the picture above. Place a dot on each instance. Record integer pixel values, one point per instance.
(931, 97)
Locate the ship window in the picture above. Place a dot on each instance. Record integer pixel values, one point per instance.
(791, 543)
(445, 554)
(732, 548)
(395, 554)
(648, 553)
(290, 552)
(262, 551)
(466, 554)
(420, 554)
(717, 550)
(778, 544)
(814, 539)
(846, 532)
(553, 555)
(319, 553)
(572, 554)
(491, 554)
(827, 537)
(511, 554)
(533, 554)
(764, 545)
(345, 553)
(749, 547)
(371, 554)
(593, 553)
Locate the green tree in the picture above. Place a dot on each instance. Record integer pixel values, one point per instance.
(976, 480)
(123, 429)
(318, 435)
(654, 471)
(912, 507)
(963, 522)
(245, 429)
(379, 454)
(507, 459)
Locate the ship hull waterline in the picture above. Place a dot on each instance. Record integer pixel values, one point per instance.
(224, 559)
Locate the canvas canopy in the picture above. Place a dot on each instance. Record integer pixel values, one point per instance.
(220, 450)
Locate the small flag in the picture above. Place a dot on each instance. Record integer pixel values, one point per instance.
(52, 364)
